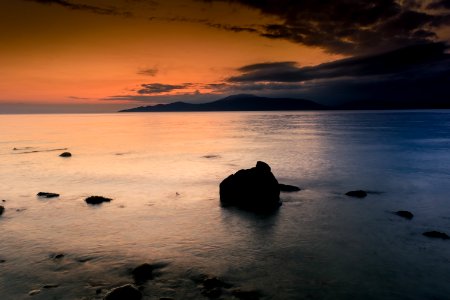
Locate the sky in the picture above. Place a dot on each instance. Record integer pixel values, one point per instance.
(106, 55)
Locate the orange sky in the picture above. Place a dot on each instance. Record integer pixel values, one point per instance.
(103, 55)
(52, 54)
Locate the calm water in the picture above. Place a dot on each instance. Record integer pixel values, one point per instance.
(163, 172)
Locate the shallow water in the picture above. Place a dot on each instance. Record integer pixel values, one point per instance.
(163, 170)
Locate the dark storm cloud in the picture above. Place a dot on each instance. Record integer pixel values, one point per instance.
(395, 62)
(440, 4)
(85, 7)
(350, 26)
(157, 88)
(416, 76)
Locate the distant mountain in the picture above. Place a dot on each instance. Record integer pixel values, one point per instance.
(241, 102)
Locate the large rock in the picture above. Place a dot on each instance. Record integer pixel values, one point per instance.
(254, 189)
(2, 209)
(125, 292)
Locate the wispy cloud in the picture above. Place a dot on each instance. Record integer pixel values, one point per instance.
(85, 7)
(158, 88)
(148, 72)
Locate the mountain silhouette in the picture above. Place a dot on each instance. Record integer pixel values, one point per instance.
(242, 102)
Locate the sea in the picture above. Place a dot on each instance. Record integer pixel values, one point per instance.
(163, 171)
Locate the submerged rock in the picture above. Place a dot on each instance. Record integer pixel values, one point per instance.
(246, 295)
(254, 189)
(93, 200)
(2, 209)
(288, 188)
(213, 287)
(357, 194)
(47, 195)
(56, 255)
(436, 234)
(125, 292)
(66, 154)
(143, 273)
(34, 292)
(405, 214)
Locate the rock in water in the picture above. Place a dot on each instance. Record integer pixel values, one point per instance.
(66, 154)
(405, 214)
(143, 273)
(2, 209)
(93, 200)
(436, 234)
(254, 189)
(357, 194)
(288, 188)
(47, 195)
(125, 292)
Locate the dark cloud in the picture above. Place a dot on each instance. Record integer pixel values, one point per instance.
(148, 72)
(395, 62)
(155, 99)
(157, 88)
(351, 26)
(78, 98)
(85, 7)
(416, 75)
(439, 4)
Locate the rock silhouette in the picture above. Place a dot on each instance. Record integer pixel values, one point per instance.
(66, 154)
(436, 234)
(125, 292)
(145, 272)
(95, 200)
(253, 189)
(288, 188)
(2, 209)
(405, 214)
(47, 195)
(357, 194)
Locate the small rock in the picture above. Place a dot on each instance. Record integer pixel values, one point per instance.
(436, 234)
(214, 282)
(212, 293)
(211, 156)
(2, 209)
(405, 214)
(50, 286)
(125, 292)
(47, 195)
(93, 200)
(3, 200)
(34, 292)
(143, 273)
(56, 256)
(146, 272)
(288, 188)
(357, 194)
(66, 154)
(246, 295)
